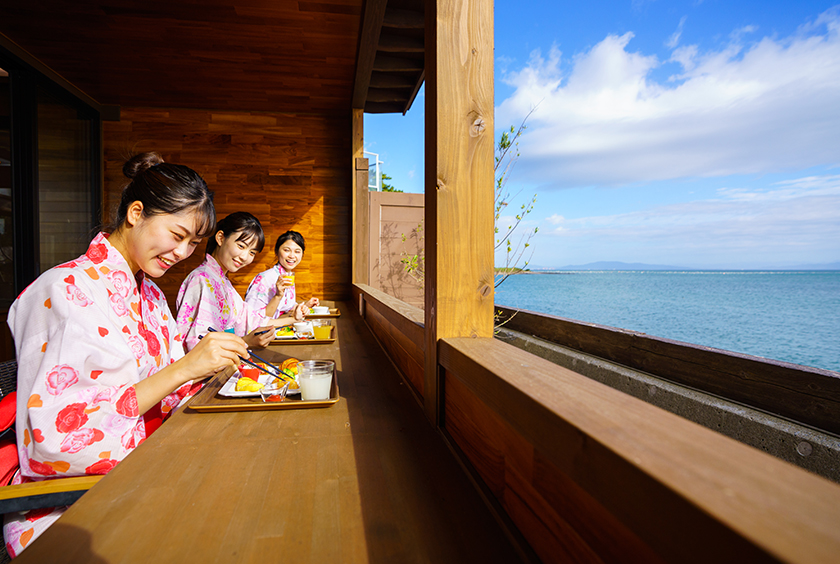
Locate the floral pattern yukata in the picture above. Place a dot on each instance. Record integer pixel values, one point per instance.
(85, 331)
(208, 299)
(264, 287)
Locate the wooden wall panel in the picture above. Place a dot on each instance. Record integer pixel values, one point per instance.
(399, 328)
(288, 170)
(560, 520)
(405, 354)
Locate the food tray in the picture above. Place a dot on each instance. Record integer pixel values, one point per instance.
(296, 341)
(208, 399)
(333, 313)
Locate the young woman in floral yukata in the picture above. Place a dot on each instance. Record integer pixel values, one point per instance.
(100, 360)
(274, 289)
(207, 298)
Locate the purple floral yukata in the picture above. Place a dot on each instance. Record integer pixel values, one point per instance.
(264, 287)
(208, 299)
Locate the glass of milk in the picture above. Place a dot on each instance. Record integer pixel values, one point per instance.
(315, 379)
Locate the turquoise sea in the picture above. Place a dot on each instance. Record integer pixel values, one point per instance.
(783, 315)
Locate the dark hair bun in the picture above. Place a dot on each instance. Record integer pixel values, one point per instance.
(140, 163)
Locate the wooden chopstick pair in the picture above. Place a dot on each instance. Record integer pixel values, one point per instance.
(277, 374)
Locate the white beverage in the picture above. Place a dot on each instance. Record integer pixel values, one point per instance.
(315, 388)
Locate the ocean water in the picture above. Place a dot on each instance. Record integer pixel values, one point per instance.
(783, 315)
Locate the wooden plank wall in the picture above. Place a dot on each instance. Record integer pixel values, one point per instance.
(288, 170)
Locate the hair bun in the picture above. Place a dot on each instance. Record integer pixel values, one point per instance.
(140, 163)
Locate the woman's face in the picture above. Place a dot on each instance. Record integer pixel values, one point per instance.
(289, 254)
(161, 241)
(233, 253)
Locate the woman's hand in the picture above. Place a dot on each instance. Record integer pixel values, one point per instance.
(313, 302)
(300, 311)
(284, 282)
(214, 352)
(259, 338)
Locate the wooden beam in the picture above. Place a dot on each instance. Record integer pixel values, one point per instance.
(459, 180)
(414, 91)
(403, 19)
(384, 107)
(390, 80)
(386, 95)
(368, 42)
(361, 221)
(392, 43)
(389, 63)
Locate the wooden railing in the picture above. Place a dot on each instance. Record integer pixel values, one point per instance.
(807, 395)
(585, 473)
(399, 328)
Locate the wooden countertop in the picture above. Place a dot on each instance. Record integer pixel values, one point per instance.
(367, 480)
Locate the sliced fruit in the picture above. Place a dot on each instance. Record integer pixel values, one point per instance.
(248, 385)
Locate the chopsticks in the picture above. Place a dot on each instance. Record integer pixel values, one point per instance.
(254, 364)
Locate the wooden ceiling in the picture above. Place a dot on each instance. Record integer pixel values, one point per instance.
(240, 55)
(391, 56)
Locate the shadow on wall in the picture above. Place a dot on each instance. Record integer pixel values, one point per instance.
(395, 219)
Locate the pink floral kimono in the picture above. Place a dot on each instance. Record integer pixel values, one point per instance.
(85, 332)
(208, 299)
(264, 287)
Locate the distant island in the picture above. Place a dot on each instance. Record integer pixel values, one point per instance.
(618, 265)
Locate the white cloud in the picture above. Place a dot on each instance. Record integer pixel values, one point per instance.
(674, 40)
(768, 106)
(793, 221)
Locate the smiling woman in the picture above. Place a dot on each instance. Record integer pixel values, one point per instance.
(99, 354)
(274, 289)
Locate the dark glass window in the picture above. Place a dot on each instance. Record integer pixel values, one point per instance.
(64, 180)
(7, 265)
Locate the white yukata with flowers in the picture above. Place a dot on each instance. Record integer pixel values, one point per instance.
(208, 299)
(264, 287)
(85, 334)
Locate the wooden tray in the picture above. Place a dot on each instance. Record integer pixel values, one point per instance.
(208, 399)
(307, 341)
(333, 313)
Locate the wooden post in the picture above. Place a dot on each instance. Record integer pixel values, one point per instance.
(459, 179)
(361, 222)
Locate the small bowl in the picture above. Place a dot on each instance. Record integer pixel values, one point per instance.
(274, 393)
(320, 310)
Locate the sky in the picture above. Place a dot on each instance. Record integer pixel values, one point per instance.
(695, 133)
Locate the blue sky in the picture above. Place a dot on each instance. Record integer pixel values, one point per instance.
(699, 133)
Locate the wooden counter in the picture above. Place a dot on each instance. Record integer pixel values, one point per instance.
(367, 480)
